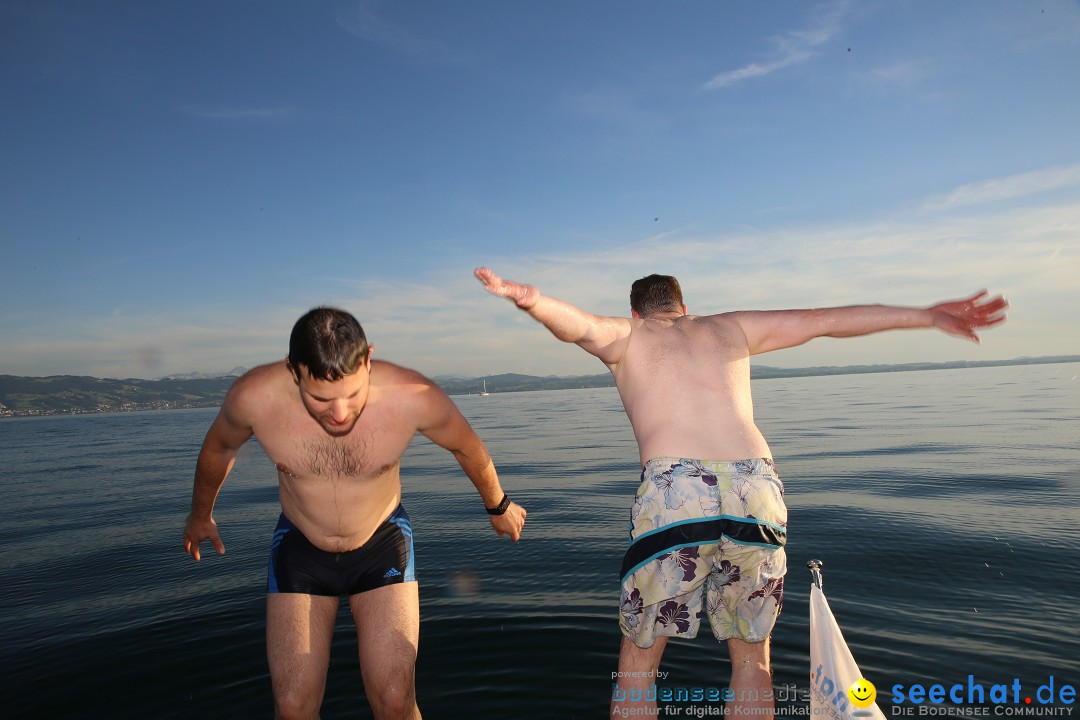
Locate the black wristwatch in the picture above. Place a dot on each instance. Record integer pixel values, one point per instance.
(501, 507)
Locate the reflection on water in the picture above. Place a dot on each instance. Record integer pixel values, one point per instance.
(943, 503)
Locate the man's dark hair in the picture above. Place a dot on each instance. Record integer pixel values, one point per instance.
(329, 342)
(656, 294)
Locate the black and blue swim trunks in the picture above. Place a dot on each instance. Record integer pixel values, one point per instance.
(297, 566)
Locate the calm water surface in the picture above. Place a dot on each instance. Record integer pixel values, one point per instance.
(944, 504)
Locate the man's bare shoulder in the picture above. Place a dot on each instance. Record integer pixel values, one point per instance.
(729, 321)
(385, 373)
(257, 386)
(262, 377)
(753, 322)
(407, 392)
(718, 318)
(401, 381)
(719, 331)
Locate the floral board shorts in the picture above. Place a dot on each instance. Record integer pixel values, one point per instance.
(705, 538)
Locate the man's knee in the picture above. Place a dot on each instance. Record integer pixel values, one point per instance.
(295, 706)
(393, 702)
(392, 691)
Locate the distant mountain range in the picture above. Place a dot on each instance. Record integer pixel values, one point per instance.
(234, 373)
(70, 394)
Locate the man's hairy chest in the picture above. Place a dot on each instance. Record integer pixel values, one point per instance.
(363, 453)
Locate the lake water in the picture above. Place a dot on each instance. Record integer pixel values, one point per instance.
(944, 504)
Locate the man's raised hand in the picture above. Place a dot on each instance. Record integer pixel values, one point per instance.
(524, 296)
(962, 317)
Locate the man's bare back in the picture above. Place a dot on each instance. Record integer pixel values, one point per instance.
(685, 385)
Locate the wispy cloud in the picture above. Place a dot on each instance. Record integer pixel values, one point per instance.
(360, 19)
(239, 113)
(792, 48)
(1006, 188)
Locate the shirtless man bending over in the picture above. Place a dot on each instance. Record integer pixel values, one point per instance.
(336, 423)
(709, 522)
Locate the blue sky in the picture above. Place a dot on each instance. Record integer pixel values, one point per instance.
(181, 180)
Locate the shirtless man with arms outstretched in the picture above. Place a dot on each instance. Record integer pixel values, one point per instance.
(336, 423)
(709, 522)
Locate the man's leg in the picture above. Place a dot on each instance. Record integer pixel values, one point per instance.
(751, 679)
(298, 632)
(633, 659)
(388, 631)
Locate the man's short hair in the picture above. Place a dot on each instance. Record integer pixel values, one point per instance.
(656, 294)
(329, 342)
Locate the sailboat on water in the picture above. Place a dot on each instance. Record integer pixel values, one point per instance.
(484, 392)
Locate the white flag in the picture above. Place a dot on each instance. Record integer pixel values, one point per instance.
(832, 669)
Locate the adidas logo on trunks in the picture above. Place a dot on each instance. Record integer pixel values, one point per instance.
(392, 572)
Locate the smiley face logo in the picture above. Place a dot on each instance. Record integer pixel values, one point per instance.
(862, 693)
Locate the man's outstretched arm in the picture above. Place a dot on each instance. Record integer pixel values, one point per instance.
(774, 330)
(604, 337)
(225, 437)
(442, 423)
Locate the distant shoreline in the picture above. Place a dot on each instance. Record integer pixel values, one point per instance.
(75, 395)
